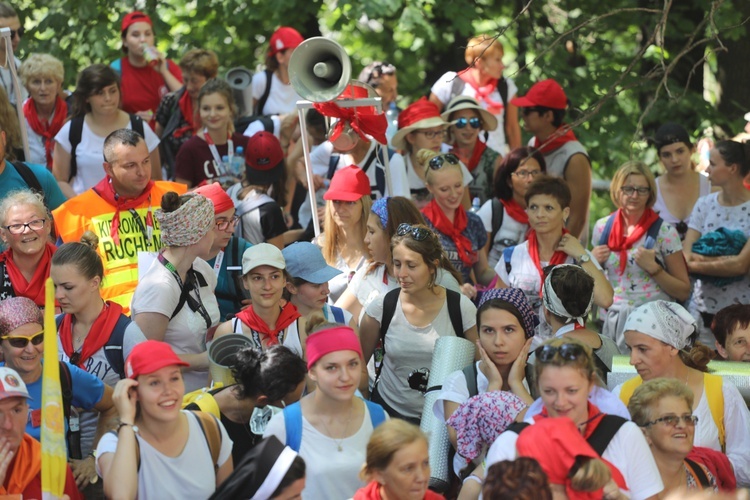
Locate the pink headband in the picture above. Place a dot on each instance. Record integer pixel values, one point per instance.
(340, 338)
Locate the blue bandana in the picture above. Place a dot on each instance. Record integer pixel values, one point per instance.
(380, 208)
(517, 298)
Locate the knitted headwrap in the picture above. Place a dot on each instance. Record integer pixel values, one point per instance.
(553, 303)
(16, 312)
(516, 298)
(188, 224)
(665, 321)
(380, 208)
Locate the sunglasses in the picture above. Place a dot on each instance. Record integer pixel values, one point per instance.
(418, 233)
(528, 111)
(681, 227)
(20, 31)
(473, 122)
(438, 162)
(568, 352)
(673, 420)
(22, 342)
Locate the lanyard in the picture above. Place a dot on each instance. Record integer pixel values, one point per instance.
(224, 169)
(217, 263)
(148, 231)
(185, 289)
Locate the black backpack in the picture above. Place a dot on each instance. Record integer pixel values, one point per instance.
(76, 133)
(113, 348)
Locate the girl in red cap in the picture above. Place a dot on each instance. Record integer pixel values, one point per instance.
(146, 74)
(272, 92)
(159, 450)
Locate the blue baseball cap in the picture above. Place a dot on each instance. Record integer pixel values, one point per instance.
(305, 260)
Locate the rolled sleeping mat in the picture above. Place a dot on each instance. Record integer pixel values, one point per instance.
(221, 354)
(737, 373)
(450, 354)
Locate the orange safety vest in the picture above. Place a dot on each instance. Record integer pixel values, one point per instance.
(89, 212)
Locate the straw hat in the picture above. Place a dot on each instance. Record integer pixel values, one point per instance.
(489, 122)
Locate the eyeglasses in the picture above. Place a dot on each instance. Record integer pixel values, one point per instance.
(528, 111)
(525, 174)
(223, 225)
(34, 225)
(418, 233)
(473, 122)
(568, 352)
(438, 162)
(21, 342)
(673, 420)
(431, 134)
(630, 190)
(20, 31)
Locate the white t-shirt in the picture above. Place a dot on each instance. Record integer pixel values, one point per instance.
(90, 154)
(736, 429)
(98, 366)
(443, 87)
(282, 98)
(188, 475)
(330, 473)
(408, 347)
(159, 292)
(628, 451)
(511, 232)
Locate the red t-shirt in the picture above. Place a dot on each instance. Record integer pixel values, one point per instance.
(143, 88)
(34, 488)
(195, 163)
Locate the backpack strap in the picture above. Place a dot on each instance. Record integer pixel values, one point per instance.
(715, 399)
(136, 124)
(604, 238)
(517, 427)
(604, 432)
(498, 212)
(628, 388)
(453, 298)
(73, 436)
(266, 92)
(502, 89)
(380, 183)
(507, 256)
(389, 308)
(698, 473)
(210, 427)
(471, 374)
(74, 137)
(653, 233)
(28, 177)
(113, 348)
(333, 162)
(338, 315)
(377, 414)
(293, 425)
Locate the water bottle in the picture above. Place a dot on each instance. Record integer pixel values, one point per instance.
(475, 205)
(238, 161)
(391, 115)
(224, 165)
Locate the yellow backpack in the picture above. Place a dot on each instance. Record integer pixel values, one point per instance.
(202, 400)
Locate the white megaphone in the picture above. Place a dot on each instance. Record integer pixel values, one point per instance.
(240, 80)
(319, 69)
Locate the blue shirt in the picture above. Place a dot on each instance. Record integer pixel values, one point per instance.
(475, 232)
(225, 291)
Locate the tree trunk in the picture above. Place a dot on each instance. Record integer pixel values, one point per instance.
(734, 70)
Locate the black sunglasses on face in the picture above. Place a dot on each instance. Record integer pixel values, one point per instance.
(528, 111)
(438, 162)
(20, 31)
(418, 233)
(22, 342)
(568, 352)
(473, 122)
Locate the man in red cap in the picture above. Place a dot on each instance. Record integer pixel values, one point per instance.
(543, 110)
(119, 211)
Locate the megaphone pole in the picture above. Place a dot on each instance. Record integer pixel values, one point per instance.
(301, 107)
(10, 60)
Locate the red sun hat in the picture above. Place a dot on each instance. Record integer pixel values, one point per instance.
(134, 17)
(284, 38)
(263, 159)
(348, 184)
(150, 356)
(418, 115)
(547, 94)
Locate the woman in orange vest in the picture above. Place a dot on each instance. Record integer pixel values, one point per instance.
(661, 337)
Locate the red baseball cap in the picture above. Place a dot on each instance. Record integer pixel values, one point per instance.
(134, 17)
(284, 38)
(547, 94)
(263, 159)
(348, 184)
(150, 356)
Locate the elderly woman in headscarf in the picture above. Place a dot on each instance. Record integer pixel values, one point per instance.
(175, 301)
(661, 336)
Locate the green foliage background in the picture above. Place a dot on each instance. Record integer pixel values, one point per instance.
(425, 38)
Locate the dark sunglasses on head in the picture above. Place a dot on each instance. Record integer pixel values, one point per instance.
(21, 342)
(438, 162)
(473, 122)
(568, 352)
(418, 233)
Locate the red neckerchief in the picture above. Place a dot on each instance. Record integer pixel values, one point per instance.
(516, 211)
(482, 92)
(362, 121)
(559, 257)
(97, 336)
(372, 492)
(453, 231)
(33, 289)
(595, 416)
(288, 315)
(49, 129)
(476, 155)
(555, 141)
(105, 190)
(186, 107)
(618, 242)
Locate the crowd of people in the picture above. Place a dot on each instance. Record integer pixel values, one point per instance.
(172, 226)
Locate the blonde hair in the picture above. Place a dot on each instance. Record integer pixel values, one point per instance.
(584, 363)
(22, 197)
(481, 46)
(332, 238)
(423, 158)
(388, 438)
(649, 393)
(589, 474)
(41, 65)
(632, 168)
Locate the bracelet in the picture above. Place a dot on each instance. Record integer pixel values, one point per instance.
(126, 424)
(654, 274)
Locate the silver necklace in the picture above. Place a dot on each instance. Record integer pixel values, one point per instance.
(339, 442)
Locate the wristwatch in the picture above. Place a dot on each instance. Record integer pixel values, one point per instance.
(584, 258)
